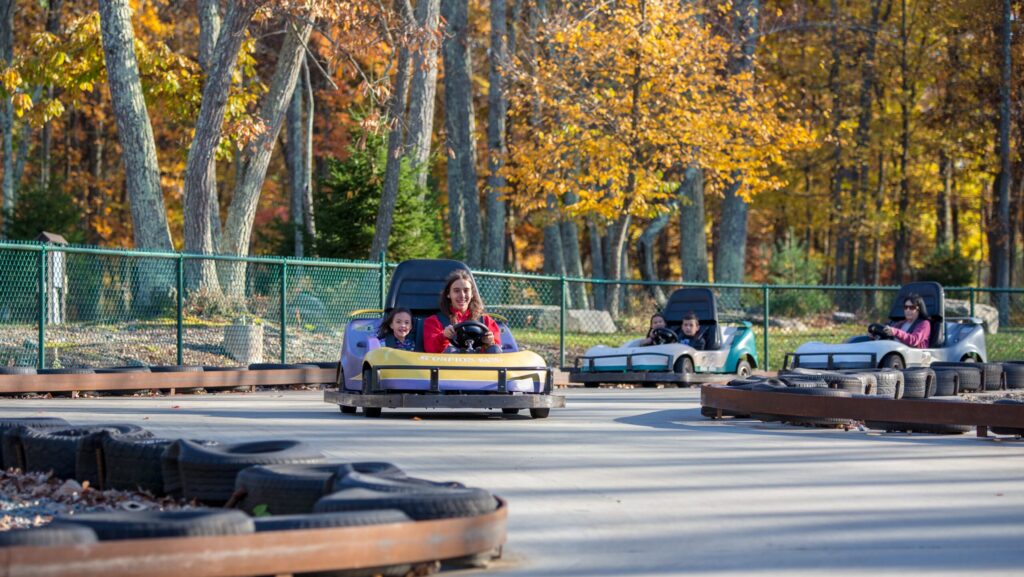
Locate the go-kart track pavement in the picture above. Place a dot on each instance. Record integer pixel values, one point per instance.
(636, 482)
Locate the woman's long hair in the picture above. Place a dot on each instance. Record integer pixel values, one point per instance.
(476, 305)
(918, 301)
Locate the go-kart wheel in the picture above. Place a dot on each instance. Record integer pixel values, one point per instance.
(345, 409)
(339, 377)
(743, 368)
(469, 335)
(510, 411)
(368, 384)
(892, 361)
(372, 412)
(663, 336)
(683, 366)
(591, 385)
(540, 413)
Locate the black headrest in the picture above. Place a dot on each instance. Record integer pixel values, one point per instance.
(417, 284)
(931, 292)
(699, 301)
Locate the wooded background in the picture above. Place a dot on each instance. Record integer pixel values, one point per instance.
(840, 142)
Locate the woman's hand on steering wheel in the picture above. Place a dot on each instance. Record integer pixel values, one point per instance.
(469, 334)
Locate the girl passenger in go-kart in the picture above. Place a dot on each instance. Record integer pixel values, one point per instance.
(460, 302)
(395, 328)
(913, 331)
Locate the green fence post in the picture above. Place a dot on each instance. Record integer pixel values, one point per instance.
(41, 361)
(181, 307)
(767, 309)
(284, 311)
(383, 279)
(972, 301)
(561, 322)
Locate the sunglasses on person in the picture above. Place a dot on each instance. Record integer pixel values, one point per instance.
(910, 307)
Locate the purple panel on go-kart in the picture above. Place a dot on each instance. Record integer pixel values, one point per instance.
(355, 346)
(514, 385)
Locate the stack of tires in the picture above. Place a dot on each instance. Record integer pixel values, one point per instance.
(262, 486)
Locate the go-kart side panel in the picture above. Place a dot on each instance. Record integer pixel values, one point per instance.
(962, 340)
(742, 344)
(466, 372)
(652, 358)
(354, 347)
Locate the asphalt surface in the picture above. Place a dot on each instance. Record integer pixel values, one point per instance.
(636, 482)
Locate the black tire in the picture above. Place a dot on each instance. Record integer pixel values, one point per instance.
(851, 383)
(118, 370)
(391, 483)
(992, 374)
(89, 452)
(213, 369)
(814, 392)
(169, 465)
(420, 506)
(743, 368)
(116, 526)
(134, 464)
(368, 383)
(947, 382)
(65, 372)
(804, 381)
(208, 473)
(329, 520)
(17, 370)
(508, 411)
(372, 412)
(339, 377)
(347, 409)
(890, 383)
(918, 428)
(892, 361)
(683, 366)
(176, 369)
(10, 453)
(284, 489)
(65, 535)
(918, 383)
(375, 468)
(63, 451)
(1013, 373)
(279, 366)
(970, 377)
(1016, 431)
(816, 421)
(540, 413)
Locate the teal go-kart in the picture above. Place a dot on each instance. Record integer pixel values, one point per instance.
(728, 351)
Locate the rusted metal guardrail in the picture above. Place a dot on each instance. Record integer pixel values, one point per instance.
(267, 553)
(923, 411)
(136, 381)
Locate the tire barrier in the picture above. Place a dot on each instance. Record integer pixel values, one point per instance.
(10, 447)
(63, 451)
(134, 463)
(118, 526)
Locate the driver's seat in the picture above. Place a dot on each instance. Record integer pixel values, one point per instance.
(701, 302)
(934, 300)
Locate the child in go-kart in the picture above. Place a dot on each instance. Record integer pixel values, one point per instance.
(460, 302)
(688, 332)
(913, 330)
(395, 328)
(657, 322)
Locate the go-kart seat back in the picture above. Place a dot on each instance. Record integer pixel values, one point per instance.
(417, 284)
(934, 300)
(701, 302)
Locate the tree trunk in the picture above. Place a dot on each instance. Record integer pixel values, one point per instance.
(238, 231)
(838, 114)
(693, 241)
(1001, 225)
(209, 30)
(307, 198)
(571, 257)
(617, 237)
(138, 149)
(554, 264)
(7, 110)
(53, 26)
(396, 140)
(901, 254)
(423, 89)
(459, 130)
(647, 265)
(596, 264)
(296, 160)
(943, 208)
(497, 110)
(200, 170)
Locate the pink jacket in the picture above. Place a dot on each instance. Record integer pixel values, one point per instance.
(917, 337)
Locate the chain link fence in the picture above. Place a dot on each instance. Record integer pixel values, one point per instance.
(94, 307)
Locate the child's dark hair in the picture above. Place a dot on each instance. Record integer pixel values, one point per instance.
(662, 315)
(691, 316)
(385, 324)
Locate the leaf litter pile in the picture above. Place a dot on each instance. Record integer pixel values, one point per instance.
(33, 499)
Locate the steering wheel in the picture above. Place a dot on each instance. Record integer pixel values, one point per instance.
(663, 336)
(468, 334)
(878, 330)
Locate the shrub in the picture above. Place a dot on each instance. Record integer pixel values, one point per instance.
(947, 267)
(791, 264)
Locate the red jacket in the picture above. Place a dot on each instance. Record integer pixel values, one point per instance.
(918, 336)
(434, 340)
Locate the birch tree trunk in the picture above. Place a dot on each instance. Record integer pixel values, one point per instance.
(730, 257)
(459, 131)
(693, 241)
(238, 230)
(396, 140)
(497, 110)
(209, 30)
(423, 90)
(138, 149)
(200, 171)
